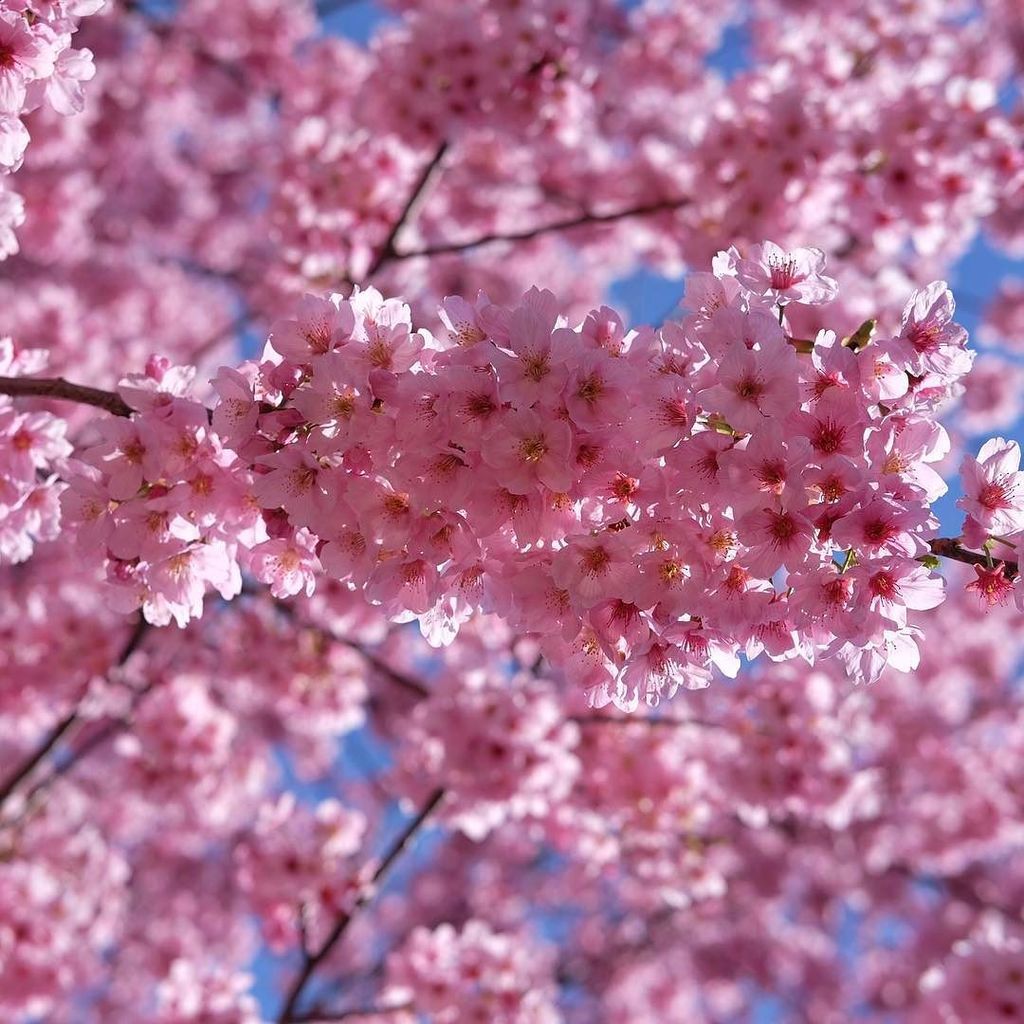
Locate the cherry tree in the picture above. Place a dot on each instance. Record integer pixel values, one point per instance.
(395, 631)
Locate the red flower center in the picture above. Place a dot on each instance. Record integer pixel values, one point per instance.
(878, 531)
(885, 586)
(993, 496)
(829, 437)
(749, 389)
(782, 527)
(783, 271)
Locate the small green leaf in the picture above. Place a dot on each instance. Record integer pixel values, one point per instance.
(862, 336)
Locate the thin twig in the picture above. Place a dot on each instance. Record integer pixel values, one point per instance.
(367, 1011)
(378, 664)
(582, 220)
(61, 729)
(311, 961)
(430, 172)
(55, 735)
(92, 742)
(666, 723)
(58, 387)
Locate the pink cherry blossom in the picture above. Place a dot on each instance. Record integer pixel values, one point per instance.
(528, 451)
(26, 53)
(794, 276)
(754, 386)
(928, 339)
(991, 586)
(994, 487)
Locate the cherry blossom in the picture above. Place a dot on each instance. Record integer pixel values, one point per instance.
(792, 276)
(993, 492)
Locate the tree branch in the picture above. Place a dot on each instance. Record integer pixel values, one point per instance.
(428, 175)
(58, 387)
(946, 547)
(311, 961)
(667, 723)
(369, 1011)
(92, 742)
(61, 729)
(581, 220)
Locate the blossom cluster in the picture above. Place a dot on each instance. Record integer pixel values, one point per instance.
(316, 693)
(187, 753)
(447, 67)
(653, 503)
(38, 66)
(993, 501)
(981, 981)
(64, 890)
(646, 805)
(294, 866)
(32, 447)
(875, 129)
(473, 974)
(195, 993)
(157, 503)
(501, 748)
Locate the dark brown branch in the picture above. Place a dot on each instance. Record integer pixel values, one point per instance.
(311, 961)
(429, 174)
(581, 220)
(61, 729)
(56, 734)
(93, 741)
(365, 1012)
(57, 387)
(946, 547)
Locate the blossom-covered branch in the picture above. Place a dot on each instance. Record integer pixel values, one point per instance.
(770, 433)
